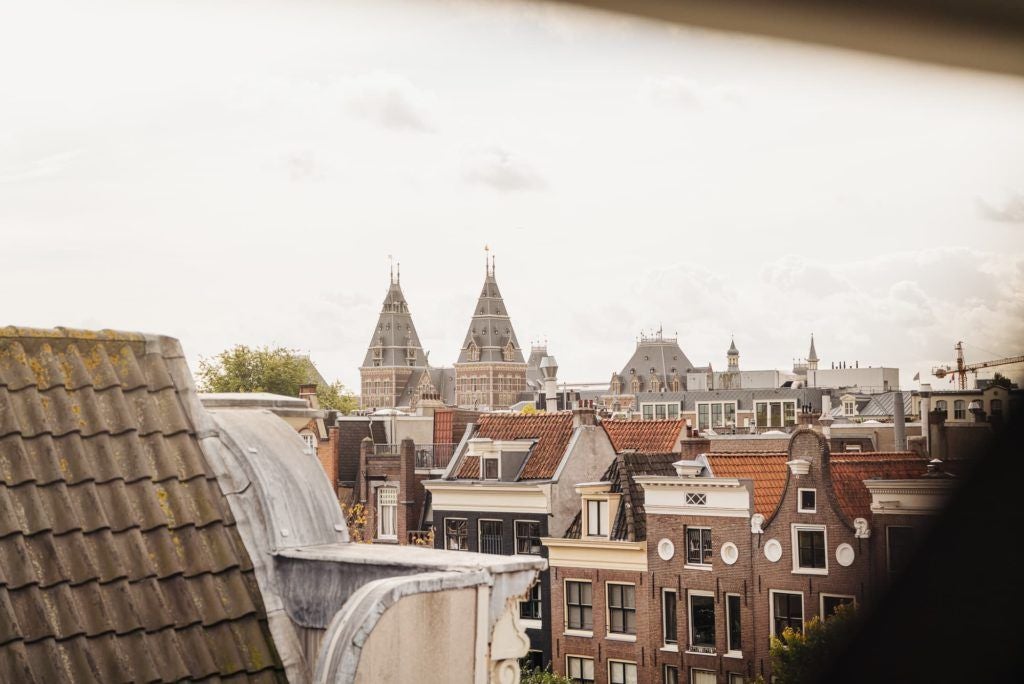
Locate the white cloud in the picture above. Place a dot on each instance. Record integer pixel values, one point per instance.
(389, 100)
(499, 169)
(680, 92)
(1009, 210)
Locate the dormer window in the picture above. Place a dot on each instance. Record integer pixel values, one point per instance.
(489, 468)
(849, 407)
(597, 517)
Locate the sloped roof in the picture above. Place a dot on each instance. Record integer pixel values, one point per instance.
(313, 375)
(768, 471)
(630, 522)
(490, 328)
(885, 404)
(849, 470)
(644, 436)
(119, 556)
(551, 430)
(395, 333)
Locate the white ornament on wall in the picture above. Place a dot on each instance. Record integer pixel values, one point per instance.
(666, 549)
(773, 550)
(845, 555)
(730, 554)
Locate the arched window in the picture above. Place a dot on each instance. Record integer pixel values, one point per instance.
(636, 385)
(940, 405)
(959, 410)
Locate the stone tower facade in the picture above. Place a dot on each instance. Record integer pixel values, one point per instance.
(394, 353)
(491, 371)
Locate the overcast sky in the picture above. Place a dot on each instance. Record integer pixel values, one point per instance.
(239, 172)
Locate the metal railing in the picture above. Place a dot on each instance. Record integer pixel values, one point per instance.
(490, 543)
(433, 456)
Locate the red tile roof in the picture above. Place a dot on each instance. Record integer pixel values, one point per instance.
(644, 436)
(768, 471)
(551, 430)
(849, 470)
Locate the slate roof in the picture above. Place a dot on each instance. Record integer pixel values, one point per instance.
(395, 333)
(849, 470)
(551, 430)
(644, 436)
(490, 328)
(885, 404)
(351, 433)
(630, 522)
(119, 556)
(768, 471)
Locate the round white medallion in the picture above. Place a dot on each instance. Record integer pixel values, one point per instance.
(730, 554)
(666, 549)
(773, 550)
(844, 555)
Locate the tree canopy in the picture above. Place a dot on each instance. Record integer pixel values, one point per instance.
(277, 370)
(803, 657)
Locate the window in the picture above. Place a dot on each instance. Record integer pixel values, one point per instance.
(456, 534)
(597, 518)
(734, 637)
(702, 622)
(735, 678)
(490, 536)
(310, 439)
(659, 411)
(580, 670)
(807, 501)
(996, 407)
(669, 630)
(670, 674)
(490, 468)
(898, 543)
(849, 407)
(387, 512)
(716, 414)
(698, 546)
(527, 537)
(621, 673)
(621, 608)
(787, 611)
(673, 408)
(809, 544)
(940, 406)
(579, 605)
(530, 608)
(702, 677)
(775, 414)
(830, 603)
(959, 409)
(696, 499)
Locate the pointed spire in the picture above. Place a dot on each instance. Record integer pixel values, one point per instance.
(733, 351)
(812, 356)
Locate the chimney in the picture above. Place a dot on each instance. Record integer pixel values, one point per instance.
(583, 417)
(690, 449)
(549, 371)
(899, 418)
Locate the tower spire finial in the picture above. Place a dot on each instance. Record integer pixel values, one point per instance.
(391, 268)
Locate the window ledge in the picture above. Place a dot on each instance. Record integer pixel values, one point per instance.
(613, 636)
(810, 571)
(733, 654)
(528, 623)
(670, 648)
(709, 652)
(706, 568)
(386, 540)
(579, 632)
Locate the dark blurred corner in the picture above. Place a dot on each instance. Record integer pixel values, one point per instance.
(976, 34)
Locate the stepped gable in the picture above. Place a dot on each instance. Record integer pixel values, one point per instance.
(644, 436)
(119, 556)
(551, 430)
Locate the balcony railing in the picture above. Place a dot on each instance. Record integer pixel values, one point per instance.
(703, 649)
(433, 456)
(490, 543)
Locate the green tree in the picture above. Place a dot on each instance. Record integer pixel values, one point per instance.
(803, 657)
(277, 370)
(540, 676)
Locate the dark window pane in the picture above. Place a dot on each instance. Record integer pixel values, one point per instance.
(830, 603)
(811, 545)
(702, 621)
(579, 613)
(668, 612)
(789, 612)
(735, 631)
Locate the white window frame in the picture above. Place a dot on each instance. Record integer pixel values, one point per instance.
(483, 468)
(736, 678)
(310, 439)
(821, 602)
(515, 535)
(533, 623)
(381, 507)
(769, 403)
(609, 634)
(701, 565)
(729, 652)
(711, 421)
(480, 533)
(690, 593)
(636, 672)
(668, 408)
(667, 645)
(445, 533)
(771, 608)
(664, 671)
(574, 631)
(800, 527)
(605, 517)
(568, 671)
(695, 670)
(800, 500)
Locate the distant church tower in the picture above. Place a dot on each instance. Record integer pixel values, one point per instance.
(491, 370)
(812, 356)
(394, 352)
(734, 357)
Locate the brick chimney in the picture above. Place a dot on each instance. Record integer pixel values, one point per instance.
(693, 447)
(308, 392)
(584, 416)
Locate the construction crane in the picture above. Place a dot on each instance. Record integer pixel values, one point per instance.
(961, 370)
